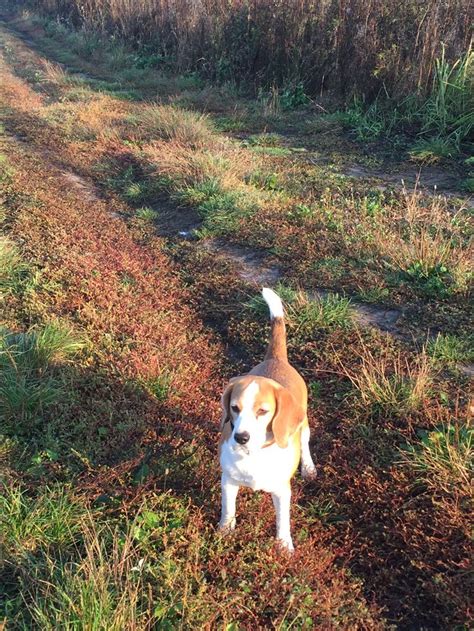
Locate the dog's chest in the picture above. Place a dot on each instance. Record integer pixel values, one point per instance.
(266, 470)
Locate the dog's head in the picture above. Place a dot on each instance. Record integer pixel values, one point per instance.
(256, 410)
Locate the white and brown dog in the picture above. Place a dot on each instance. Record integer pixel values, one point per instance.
(265, 429)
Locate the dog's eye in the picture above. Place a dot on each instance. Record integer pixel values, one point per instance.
(261, 412)
(235, 408)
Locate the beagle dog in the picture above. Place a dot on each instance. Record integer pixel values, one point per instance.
(264, 429)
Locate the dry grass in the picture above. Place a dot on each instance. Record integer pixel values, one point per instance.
(177, 125)
(227, 164)
(391, 385)
(427, 240)
(358, 51)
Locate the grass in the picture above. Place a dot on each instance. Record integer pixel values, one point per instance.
(444, 456)
(390, 385)
(29, 383)
(146, 214)
(13, 269)
(176, 124)
(450, 350)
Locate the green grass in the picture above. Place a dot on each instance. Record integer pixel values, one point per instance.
(13, 270)
(432, 150)
(264, 140)
(67, 567)
(444, 457)
(220, 209)
(53, 518)
(444, 119)
(450, 350)
(146, 214)
(29, 381)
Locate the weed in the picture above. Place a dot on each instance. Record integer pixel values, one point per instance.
(277, 152)
(265, 181)
(448, 112)
(159, 386)
(54, 517)
(293, 97)
(444, 456)
(300, 213)
(450, 350)
(264, 140)
(220, 209)
(374, 294)
(432, 150)
(146, 214)
(429, 251)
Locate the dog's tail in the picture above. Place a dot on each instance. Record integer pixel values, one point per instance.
(277, 344)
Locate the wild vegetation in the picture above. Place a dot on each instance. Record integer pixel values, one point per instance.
(118, 334)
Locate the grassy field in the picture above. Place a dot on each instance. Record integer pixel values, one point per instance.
(125, 191)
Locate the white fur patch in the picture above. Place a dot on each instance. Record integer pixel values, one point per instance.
(274, 303)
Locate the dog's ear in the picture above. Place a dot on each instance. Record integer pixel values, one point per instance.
(287, 418)
(225, 403)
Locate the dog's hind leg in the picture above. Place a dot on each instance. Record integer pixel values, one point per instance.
(308, 470)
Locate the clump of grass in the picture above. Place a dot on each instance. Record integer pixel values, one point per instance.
(12, 268)
(450, 350)
(146, 214)
(449, 111)
(432, 150)
(221, 209)
(159, 386)
(390, 386)
(179, 125)
(305, 313)
(102, 590)
(264, 140)
(444, 457)
(28, 523)
(374, 294)
(28, 380)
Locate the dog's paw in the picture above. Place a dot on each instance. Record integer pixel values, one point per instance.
(308, 472)
(286, 545)
(227, 526)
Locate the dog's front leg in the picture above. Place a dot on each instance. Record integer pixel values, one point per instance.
(281, 502)
(229, 497)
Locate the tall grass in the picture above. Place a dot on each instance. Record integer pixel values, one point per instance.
(449, 110)
(350, 45)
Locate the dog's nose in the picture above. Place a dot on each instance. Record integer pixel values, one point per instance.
(242, 438)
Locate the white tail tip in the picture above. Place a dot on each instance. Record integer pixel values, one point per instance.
(274, 303)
